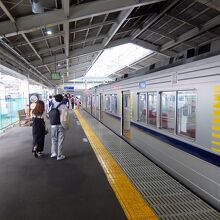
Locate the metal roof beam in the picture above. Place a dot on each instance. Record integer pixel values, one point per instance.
(78, 52)
(73, 54)
(187, 22)
(115, 27)
(37, 39)
(118, 42)
(21, 61)
(99, 47)
(215, 4)
(73, 30)
(7, 12)
(153, 18)
(66, 7)
(166, 35)
(35, 22)
(146, 45)
(71, 44)
(32, 47)
(73, 67)
(153, 47)
(192, 33)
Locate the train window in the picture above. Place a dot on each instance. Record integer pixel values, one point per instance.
(204, 49)
(93, 104)
(191, 53)
(97, 106)
(168, 110)
(152, 108)
(107, 103)
(186, 113)
(142, 107)
(89, 99)
(114, 104)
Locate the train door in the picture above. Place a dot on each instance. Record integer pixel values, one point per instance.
(90, 104)
(97, 106)
(126, 119)
(93, 105)
(101, 106)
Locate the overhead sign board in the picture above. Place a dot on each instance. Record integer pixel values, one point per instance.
(142, 85)
(68, 88)
(55, 76)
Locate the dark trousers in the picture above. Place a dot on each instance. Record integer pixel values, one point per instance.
(38, 132)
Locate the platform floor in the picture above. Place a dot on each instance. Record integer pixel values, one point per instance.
(77, 187)
(44, 189)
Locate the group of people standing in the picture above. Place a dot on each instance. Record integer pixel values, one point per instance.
(69, 100)
(59, 119)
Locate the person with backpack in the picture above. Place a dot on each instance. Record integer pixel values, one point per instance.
(59, 119)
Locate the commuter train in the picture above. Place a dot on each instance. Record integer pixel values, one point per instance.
(172, 116)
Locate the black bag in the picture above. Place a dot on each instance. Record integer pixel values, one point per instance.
(54, 115)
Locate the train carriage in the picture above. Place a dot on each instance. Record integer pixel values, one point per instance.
(173, 117)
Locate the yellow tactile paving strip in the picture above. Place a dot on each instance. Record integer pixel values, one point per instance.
(133, 204)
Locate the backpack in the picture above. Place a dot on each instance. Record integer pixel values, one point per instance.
(64, 118)
(54, 115)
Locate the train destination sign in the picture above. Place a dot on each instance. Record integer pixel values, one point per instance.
(142, 85)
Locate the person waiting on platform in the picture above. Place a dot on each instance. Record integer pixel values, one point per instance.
(49, 103)
(65, 101)
(77, 102)
(38, 129)
(59, 119)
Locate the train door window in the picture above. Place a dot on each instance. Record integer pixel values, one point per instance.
(114, 104)
(97, 106)
(107, 103)
(93, 105)
(101, 106)
(142, 107)
(90, 103)
(168, 109)
(126, 115)
(186, 113)
(152, 108)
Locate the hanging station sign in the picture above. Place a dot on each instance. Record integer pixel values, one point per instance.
(68, 88)
(55, 76)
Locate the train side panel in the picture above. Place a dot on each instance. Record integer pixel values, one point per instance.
(182, 132)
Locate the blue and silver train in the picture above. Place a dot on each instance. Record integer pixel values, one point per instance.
(173, 117)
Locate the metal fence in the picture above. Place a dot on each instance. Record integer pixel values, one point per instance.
(9, 110)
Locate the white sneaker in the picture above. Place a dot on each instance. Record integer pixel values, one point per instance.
(53, 155)
(61, 157)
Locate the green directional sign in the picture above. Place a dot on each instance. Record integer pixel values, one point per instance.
(55, 76)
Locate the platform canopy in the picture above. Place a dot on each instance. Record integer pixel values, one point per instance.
(41, 37)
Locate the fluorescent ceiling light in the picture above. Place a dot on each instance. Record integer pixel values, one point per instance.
(49, 32)
(116, 58)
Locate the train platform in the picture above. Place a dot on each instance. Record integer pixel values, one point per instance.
(103, 177)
